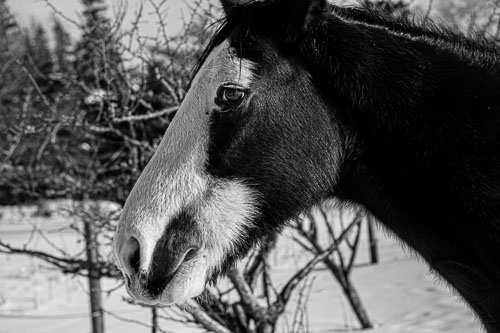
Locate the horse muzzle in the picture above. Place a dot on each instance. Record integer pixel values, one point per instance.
(168, 271)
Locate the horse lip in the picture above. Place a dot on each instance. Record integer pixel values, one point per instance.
(149, 302)
(141, 298)
(128, 281)
(137, 291)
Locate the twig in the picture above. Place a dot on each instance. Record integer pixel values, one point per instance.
(248, 300)
(64, 16)
(66, 265)
(301, 274)
(36, 86)
(204, 319)
(299, 315)
(133, 321)
(146, 116)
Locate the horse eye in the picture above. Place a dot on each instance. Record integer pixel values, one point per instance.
(233, 94)
(229, 95)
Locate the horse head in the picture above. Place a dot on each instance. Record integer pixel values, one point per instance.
(251, 146)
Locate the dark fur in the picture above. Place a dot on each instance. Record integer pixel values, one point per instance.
(401, 118)
(179, 242)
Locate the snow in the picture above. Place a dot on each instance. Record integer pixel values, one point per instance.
(399, 293)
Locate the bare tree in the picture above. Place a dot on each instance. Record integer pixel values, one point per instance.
(471, 16)
(341, 262)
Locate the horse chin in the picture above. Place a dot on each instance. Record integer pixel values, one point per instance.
(189, 281)
(183, 287)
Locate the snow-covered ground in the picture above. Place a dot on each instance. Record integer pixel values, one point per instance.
(400, 295)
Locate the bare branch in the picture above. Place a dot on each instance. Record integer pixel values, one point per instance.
(302, 273)
(64, 16)
(64, 264)
(147, 116)
(248, 300)
(133, 321)
(204, 319)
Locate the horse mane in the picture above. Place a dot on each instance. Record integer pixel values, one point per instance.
(408, 22)
(476, 43)
(476, 46)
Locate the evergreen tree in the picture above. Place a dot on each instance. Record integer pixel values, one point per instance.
(11, 79)
(96, 53)
(62, 45)
(7, 21)
(10, 47)
(38, 56)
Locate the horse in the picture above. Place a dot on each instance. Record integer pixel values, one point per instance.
(296, 102)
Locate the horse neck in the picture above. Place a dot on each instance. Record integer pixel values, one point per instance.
(415, 109)
(421, 116)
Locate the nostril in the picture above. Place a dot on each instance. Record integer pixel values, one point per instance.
(132, 254)
(143, 277)
(135, 260)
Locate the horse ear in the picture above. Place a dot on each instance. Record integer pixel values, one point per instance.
(295, 13)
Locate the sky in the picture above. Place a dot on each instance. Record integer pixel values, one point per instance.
(28, 10)
(175, 12)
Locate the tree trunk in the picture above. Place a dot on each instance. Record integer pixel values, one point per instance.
(356, 305)
(351, 294)
(94, 280)
(372, 241)
(154, 320)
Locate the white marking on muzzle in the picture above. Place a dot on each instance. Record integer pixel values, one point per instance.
(225, 217)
